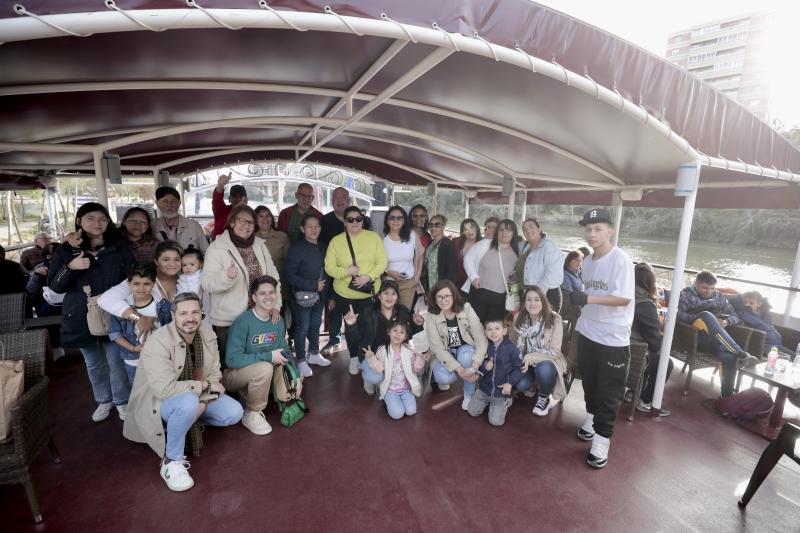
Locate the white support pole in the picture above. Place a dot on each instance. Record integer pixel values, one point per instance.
(616, 205)
(677, 285)
(466, 205)
(512, 198)
(524, 208)
(48, 198)
(434, 203)
(102, 188)
(794, 283)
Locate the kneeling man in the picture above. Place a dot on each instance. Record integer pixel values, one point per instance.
(178, 385)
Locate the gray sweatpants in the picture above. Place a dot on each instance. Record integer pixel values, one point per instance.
(498, 407)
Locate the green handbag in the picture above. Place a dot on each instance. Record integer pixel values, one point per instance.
(284, 390)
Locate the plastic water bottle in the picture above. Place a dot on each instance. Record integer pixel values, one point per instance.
(772, 362)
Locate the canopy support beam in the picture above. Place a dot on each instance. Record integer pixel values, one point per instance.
(102, 188)
(512, 198)
(48, 198)
(792, 298)
(616, 205)
(677, 286)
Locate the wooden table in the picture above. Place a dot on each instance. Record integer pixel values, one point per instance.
(786, 382)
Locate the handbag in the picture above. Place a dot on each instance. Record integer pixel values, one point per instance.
(306, 299)
(512, 298)
(286, 391)
(11, 388)
(96, 318)
(368, 287)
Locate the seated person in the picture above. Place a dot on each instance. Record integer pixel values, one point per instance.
(500, 372)
(755, 311)
(254, 345)
(572, 272)
(646, 328)
(38, 281)
(178, 384)
(14, 277)
(394, 368)
(702, 306)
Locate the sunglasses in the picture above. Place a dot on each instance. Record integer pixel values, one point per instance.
(435, 224)
(396, 218)
(351, 220)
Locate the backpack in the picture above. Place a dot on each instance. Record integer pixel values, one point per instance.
(286, 391)
(746, 405)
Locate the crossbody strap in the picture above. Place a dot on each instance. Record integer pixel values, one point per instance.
(502, 272)
(350, 245)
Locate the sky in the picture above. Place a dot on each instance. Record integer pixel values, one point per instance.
(647, 24)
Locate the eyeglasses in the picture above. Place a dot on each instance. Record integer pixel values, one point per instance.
(436, 224)
(245, 222)
(444, 296)
(351, 220)
(396, 218)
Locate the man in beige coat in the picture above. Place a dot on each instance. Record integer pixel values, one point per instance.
(178, 384)
(172, 226)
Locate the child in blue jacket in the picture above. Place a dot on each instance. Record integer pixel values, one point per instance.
(500, 372)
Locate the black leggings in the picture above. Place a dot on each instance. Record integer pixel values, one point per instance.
(342, 307)
(487, 304)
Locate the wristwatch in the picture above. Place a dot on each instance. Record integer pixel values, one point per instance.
(134, 316)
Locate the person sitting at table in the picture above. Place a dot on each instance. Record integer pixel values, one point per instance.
(702, 306)
(177, 387)
(756, 312)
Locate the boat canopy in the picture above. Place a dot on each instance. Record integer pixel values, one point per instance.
(469, 94)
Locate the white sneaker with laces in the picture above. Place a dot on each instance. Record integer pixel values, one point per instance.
(465, 402)
(317, 359)
(598, 455)
(176, 474)
(305, 369)
(256, 422)
(102, 411)
(542, 406)
(121, 411)
(354, 369)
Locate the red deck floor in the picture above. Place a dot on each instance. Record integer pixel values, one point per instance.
(348, 467)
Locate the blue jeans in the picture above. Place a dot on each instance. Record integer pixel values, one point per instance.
(544, 373)
(399, 404)
(307, 321)
(370, 376)
(180, 412)
(107, 373)
(444, 377)
(714, 339)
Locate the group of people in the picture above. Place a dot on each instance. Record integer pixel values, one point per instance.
(482, 308)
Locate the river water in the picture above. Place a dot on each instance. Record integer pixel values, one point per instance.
(769, 265)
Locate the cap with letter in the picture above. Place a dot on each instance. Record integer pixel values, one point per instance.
(593, 216)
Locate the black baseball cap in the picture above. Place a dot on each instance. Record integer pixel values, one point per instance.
(165, 190)
(593, 216)
(237, 190)
(389, 283)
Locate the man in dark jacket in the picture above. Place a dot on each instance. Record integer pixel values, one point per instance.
(710, 313)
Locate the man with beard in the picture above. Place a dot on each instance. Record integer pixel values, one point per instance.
(172, 226)
(177, 388)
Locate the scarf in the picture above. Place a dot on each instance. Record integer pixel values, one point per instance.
(242, 243)
(530, 339)
(193, 369)
(432, 260)
(251, 263)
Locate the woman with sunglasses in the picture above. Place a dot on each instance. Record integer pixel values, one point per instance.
(419, 224)
(495, 271)
(233, 261)
(355, 260)
(404, 252)
(440, 256)
(456, 338)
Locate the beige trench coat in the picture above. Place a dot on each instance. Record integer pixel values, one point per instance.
(160, 366)
(471, 331)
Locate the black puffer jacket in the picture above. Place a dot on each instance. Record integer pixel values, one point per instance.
(369, 331)
(108, 267)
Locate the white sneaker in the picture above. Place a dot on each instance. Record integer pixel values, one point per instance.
(369, 388)
(176, 475)
(256, 422)
(305, 369)
(121, 411)
(317, 359)
(354, 366)
(598, 455)
(102, 411)
(542, 406)
(465, 402)
(445, 386)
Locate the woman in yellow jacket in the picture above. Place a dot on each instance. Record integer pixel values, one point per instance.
(356, 275)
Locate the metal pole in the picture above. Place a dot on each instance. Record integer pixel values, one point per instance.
(524, 208)
(466, 206)
(48, 196)
(434, 203)
(102, 188)
(616, 205)
(677, 285)
(795, 283)
(512, 198)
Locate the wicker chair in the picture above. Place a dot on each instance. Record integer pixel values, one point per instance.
(636, 370)
(684, 347)
(12, 312)
(789, 336)
(30, 430)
